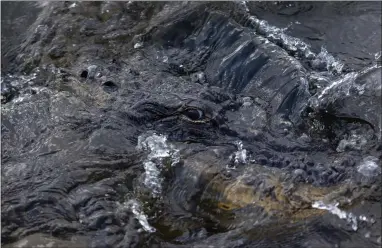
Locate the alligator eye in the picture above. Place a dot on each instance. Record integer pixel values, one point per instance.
(194, 114)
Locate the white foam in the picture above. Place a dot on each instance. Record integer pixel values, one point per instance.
(153, 178)
(136, 209)
(153, 165)
(369, 167)
(240, 156)
(333, 208)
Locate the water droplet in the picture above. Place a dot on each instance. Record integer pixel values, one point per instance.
(377, 56)
(138, 45)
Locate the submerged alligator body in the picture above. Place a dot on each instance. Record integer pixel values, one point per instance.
(245, 134)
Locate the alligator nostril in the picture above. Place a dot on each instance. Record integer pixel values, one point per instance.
(109, 86)
(84, 74)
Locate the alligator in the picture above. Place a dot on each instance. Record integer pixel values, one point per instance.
(101, 74)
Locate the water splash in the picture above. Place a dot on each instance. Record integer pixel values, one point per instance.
(138, 45)
(292, 44)
(377, 56)
(365, 219)
(73, 5)
(136, 209)
(238, 157)
(349, 217)
(346, 83)
(331, 64)
(154, 164)
(350, 77)
(333, 208)
(241, 154)
(244, 5)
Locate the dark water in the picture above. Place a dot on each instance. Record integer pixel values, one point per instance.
(16, 17)
(191, 124)
(350, 31)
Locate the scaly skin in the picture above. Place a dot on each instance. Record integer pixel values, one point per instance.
(274, 195)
